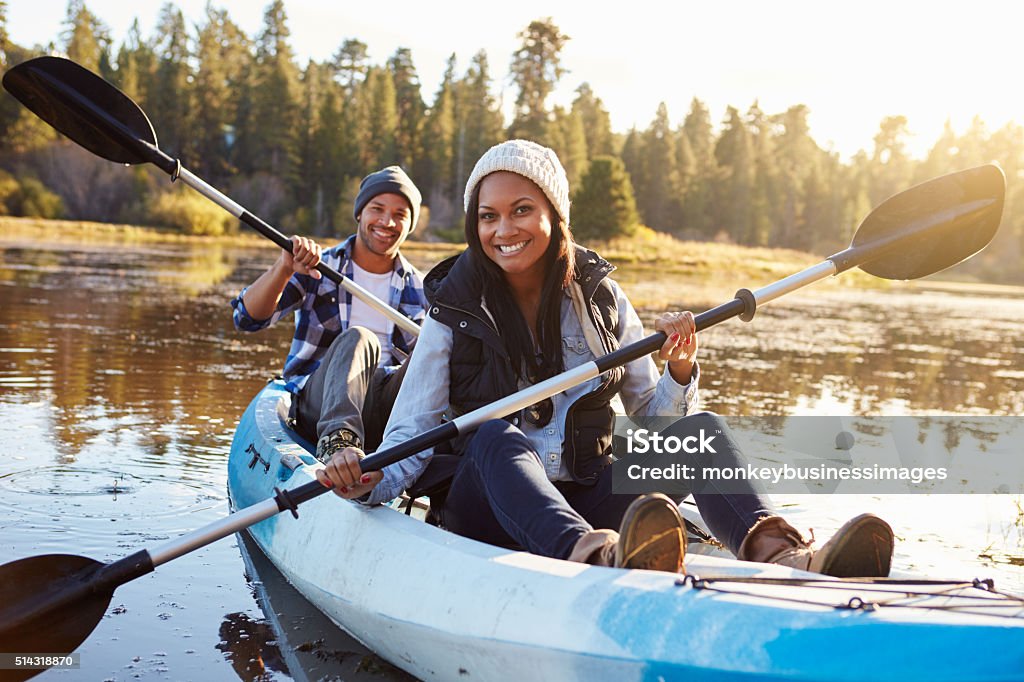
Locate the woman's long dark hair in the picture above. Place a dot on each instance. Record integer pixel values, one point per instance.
(560, 265)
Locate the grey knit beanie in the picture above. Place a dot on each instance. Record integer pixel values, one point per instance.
(390, 180)
(531, 160)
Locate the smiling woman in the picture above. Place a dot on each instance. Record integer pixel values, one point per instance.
(522, 304)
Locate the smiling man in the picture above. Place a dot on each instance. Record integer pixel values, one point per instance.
(346, 360)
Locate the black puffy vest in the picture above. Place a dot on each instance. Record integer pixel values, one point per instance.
(481, 372)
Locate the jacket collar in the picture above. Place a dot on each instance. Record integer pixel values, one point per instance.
(455, 282)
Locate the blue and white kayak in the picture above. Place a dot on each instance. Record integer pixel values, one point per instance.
(444, 607)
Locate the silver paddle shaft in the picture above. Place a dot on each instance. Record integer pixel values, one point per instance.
(230, 524)
(235, 209)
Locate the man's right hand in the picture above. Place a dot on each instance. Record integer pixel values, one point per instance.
(304, 257)
(343, 475)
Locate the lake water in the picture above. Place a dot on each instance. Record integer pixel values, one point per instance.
(122, 379)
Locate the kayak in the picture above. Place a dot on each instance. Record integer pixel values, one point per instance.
(445, 607)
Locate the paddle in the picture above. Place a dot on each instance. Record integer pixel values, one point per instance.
(51, 603)
(107, 122)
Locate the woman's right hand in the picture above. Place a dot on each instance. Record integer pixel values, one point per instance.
(343, 475)
(304, 257)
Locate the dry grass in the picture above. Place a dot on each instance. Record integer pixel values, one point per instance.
(659, 270)
(655, 268)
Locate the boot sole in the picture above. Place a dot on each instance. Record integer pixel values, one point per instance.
(861, 548)
(652, 536)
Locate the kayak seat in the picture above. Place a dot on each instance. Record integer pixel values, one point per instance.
(433, 483)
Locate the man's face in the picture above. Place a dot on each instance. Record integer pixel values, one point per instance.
(384, 223)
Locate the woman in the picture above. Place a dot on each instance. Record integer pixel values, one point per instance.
(524, 303)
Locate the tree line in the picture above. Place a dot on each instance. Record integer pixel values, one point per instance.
(291, 142)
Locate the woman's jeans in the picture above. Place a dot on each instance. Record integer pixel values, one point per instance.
(501, 495)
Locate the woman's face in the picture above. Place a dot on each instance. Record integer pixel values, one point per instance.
(514, 223)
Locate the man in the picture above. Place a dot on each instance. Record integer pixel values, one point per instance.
(343, 365)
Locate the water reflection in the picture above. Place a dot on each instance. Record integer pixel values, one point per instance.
(299, 639)
(250, 647)
(901, 353)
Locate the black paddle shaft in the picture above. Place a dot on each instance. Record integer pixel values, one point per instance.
(104, 120)
(290, 499)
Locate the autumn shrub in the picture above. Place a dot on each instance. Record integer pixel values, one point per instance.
(190, 213)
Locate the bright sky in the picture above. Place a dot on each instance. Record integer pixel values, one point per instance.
(851, 63)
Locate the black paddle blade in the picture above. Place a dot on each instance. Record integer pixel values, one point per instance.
(32, 621)
(83, 106)
(934, 225)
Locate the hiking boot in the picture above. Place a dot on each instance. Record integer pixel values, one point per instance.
(332, 442)
(651, 537)
(861, 548)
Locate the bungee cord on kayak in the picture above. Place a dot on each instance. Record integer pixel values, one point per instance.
(984, 596)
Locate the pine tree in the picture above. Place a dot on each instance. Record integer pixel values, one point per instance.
(797, 157)
(85, 36)
(438, 171)
(597, 124)
(536, 69)
(135, 65)
(329, 147)
(307, 167)
(171, 95)
(411, 108)
(479, 123)
(352, 63)
(686, 163)
(222, 56)
(381, 119)
(275, 86)
(265, 147)
(890, 166)
(734, 154)
(633, 159)
(696, 215)
(942, 157)
(698, 129)
(659, 197)
(570, 143)
(604, 206)
(765, 175)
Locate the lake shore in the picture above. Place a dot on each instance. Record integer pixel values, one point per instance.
(657, 269)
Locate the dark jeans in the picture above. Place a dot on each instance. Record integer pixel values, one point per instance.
(348, 391)
(501, 495)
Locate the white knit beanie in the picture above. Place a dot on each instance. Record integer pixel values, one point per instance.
(531, 160)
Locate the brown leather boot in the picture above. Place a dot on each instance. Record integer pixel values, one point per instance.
(651, 537)
(861, 548)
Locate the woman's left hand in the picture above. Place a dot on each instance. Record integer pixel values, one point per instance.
(680, 349)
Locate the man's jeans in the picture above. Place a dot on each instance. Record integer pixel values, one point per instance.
(348, 391)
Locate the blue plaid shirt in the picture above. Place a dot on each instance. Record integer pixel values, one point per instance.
(320, 318)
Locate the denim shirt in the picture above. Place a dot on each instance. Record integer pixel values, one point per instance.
(422, 401)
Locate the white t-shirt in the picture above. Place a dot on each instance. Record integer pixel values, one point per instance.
(365, 316)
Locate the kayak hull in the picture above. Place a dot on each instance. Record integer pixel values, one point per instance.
(446, 607)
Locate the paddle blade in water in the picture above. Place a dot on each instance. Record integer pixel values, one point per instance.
(47, 606)
(934, 225)
(83, 106)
